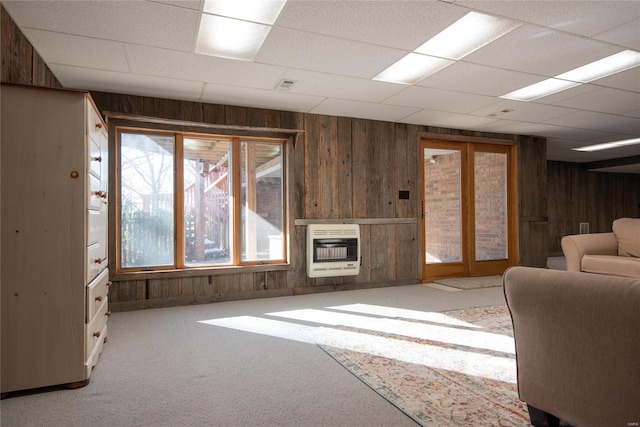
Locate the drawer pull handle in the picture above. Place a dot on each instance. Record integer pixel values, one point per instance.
(96, 334)
(97, 159)
(109, 283)
(108, 313)
(99, 298)
(101, 194)
(99, 260)
(98, 125)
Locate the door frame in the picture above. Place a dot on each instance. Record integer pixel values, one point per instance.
(469, 266)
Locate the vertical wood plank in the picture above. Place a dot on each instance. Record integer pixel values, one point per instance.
(327, 167)
(312, 167)
(21, 61)
(214, 114)
(344, 177)
(365, 254)
(406, 251)
(235, 115)
(192, 112)
(255, 117)
(359, 168)
(6, 44)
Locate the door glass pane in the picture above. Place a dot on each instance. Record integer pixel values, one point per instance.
(146, 200)
(491, 206)
(206, 201)
(443, 203)
(262, 201)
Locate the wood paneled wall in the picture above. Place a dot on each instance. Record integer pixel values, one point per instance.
(341, 168)
(576, 196)
(21, 64)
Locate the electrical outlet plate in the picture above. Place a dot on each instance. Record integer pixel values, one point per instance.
(584, 228)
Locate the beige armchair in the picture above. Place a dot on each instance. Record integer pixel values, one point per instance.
(577, 339)
(614, 254)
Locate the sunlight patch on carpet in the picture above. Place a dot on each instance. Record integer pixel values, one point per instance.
(452, 368)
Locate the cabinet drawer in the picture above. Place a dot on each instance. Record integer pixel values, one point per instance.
(96, 260)
(92, 360)
(94, 330)
(95, 195)
(94, 157)
(95, 127)
(97, 292)
(96, 227)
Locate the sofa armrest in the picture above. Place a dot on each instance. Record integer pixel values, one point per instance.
(577, 344)
(577, 245)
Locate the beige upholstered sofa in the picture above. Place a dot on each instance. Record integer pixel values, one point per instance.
(616, 253)
(577, 339)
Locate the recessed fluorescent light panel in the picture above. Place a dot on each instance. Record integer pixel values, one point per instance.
(236, 29)
(466, 35)
(540, 89)
(261, 11)
(605, 67)
(609, 145)
(412, 68)
(587, 73)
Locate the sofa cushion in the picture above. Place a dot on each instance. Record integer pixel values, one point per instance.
(627, 231)
(611, 265)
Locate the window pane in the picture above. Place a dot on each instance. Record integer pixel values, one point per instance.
(261, 195)
(146, 200)
(206, 201)
(443, 206)
(491, 206)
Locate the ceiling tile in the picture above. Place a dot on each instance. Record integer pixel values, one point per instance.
(516, 127)
(362, 110)
(626, 35)
(542, 51)
(604, 100)
(126, 83)
(205, 68)
(140, 22)
(314, 52)
(592, 120)
(58, 48)
(258, 98)
(523, 111)
(399, 24)
(189, 4)
(438, 99)
(589, 19)
(333, 86)
(625, 80)
(479, 79)
(448, 120)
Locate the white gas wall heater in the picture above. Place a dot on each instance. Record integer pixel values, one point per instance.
(333, 250)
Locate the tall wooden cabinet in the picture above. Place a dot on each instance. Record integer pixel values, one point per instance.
(54, 276)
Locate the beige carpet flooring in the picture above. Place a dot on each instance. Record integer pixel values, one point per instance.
(241, 363)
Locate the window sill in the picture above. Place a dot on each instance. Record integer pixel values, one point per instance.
(196, 272)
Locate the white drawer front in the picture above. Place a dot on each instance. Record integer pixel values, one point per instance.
(95, 227)
(96, 196)
(96, 260)
(94, 157)
(94, 124)
(97, 292)
(94, 331)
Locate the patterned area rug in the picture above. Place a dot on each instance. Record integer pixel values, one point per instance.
(467, 283)
(447, 369)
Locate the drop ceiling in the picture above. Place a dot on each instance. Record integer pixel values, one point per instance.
(333, 49)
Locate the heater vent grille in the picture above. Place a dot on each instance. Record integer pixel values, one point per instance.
(333, 250)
